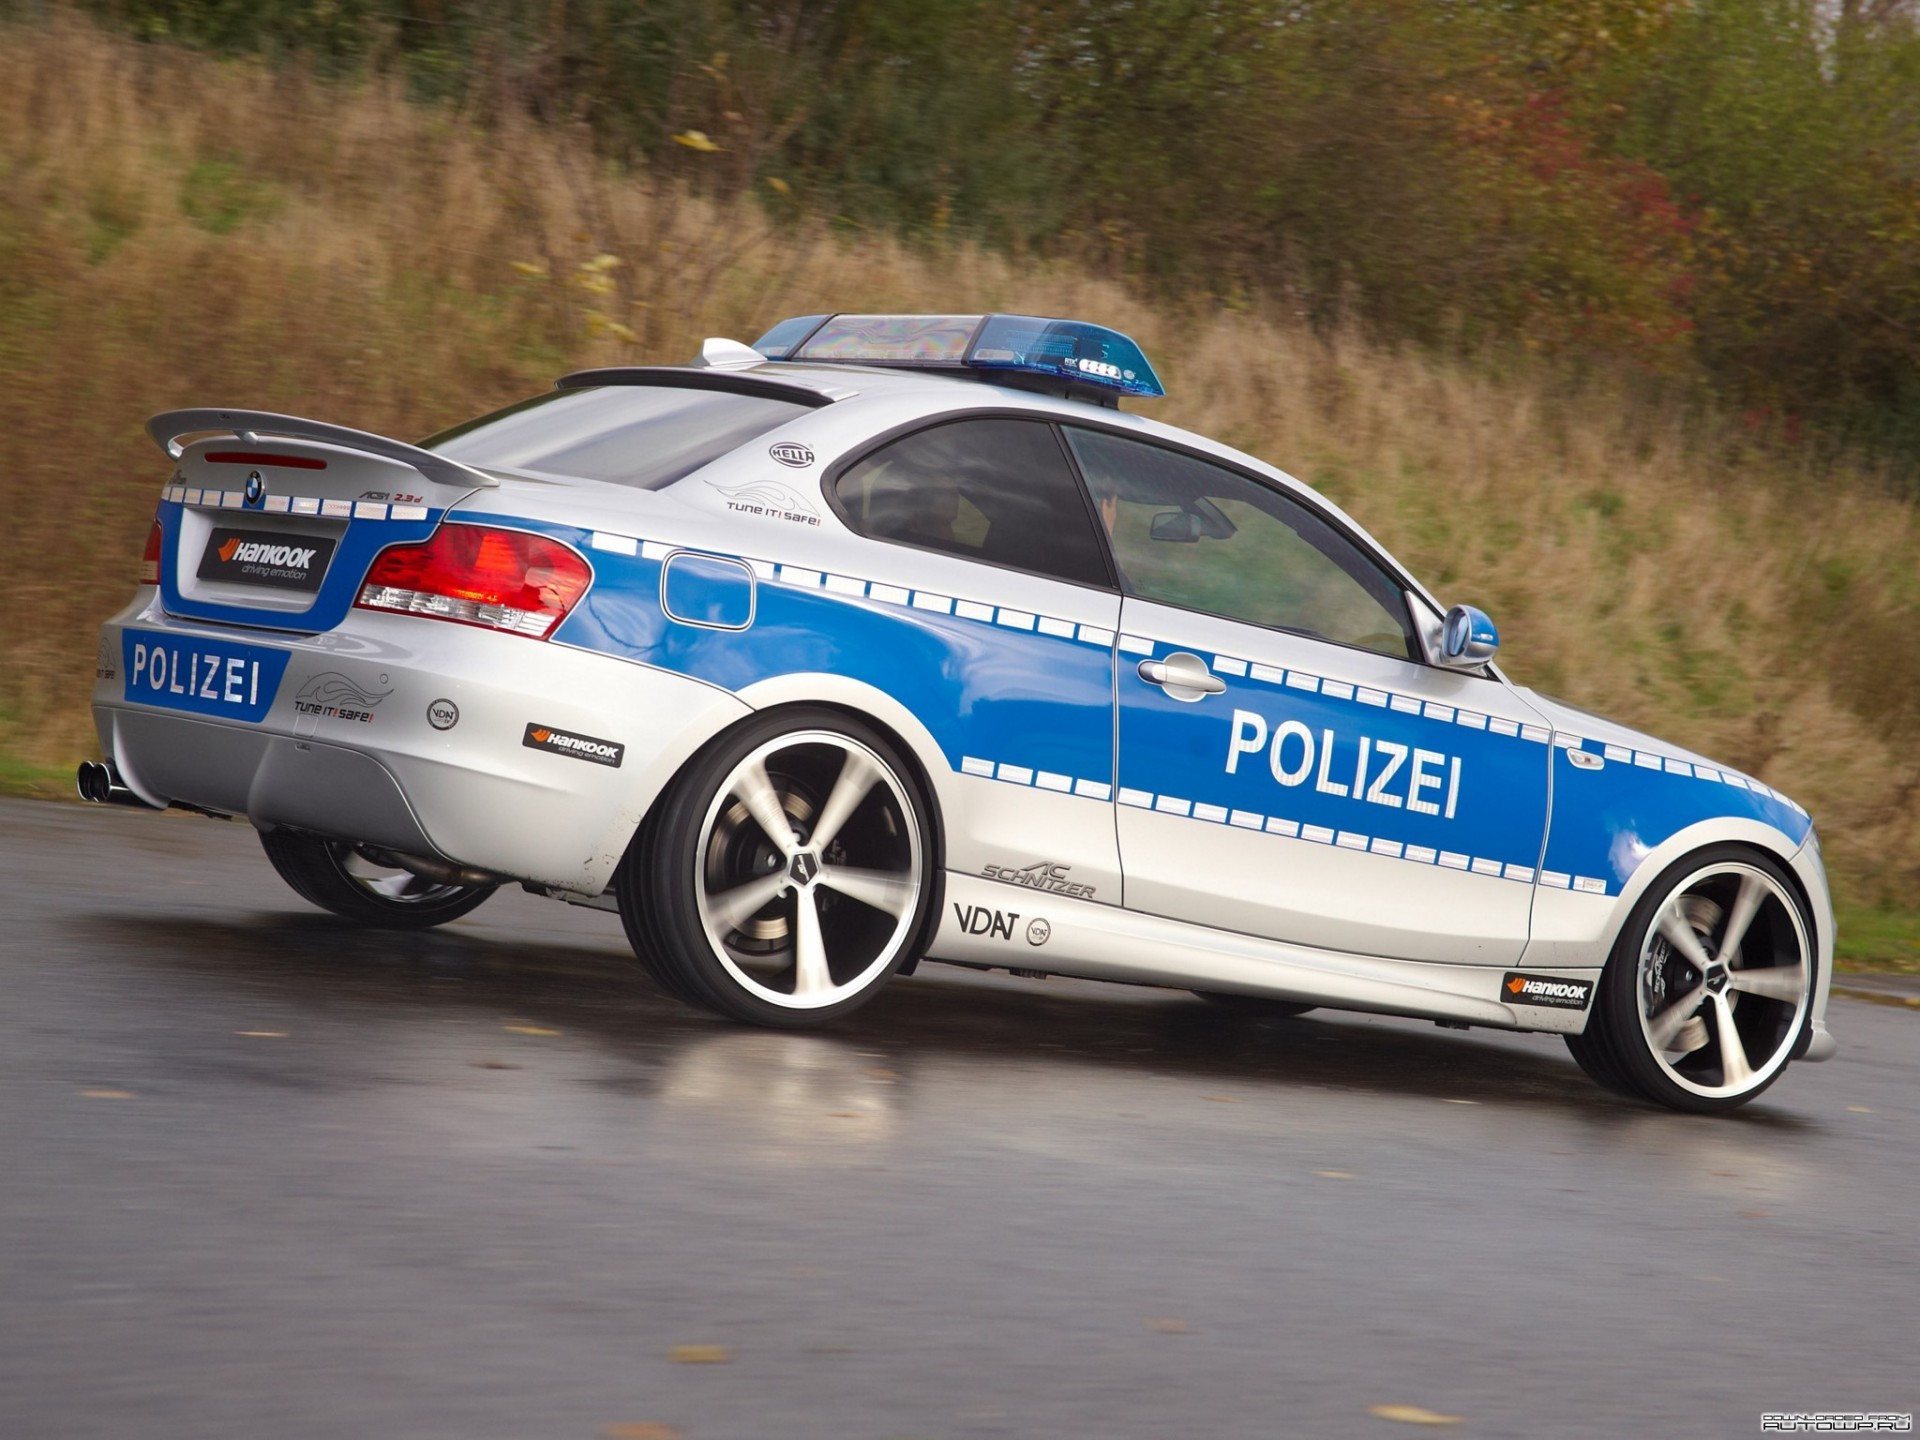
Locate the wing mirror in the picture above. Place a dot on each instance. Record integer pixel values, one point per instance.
(1467, 638)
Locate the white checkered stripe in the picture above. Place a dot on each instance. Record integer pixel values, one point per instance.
(208, 499)
(1024, 775)
(1672, 765)
(1351, 840)
(1366, 696)
(853, 587)
(1471, 720)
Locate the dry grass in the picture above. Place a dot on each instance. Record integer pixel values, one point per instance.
(175, 230)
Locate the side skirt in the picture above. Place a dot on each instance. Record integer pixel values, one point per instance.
(994, 924)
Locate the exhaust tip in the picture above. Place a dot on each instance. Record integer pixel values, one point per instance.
(94, 782)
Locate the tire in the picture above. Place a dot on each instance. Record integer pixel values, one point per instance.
(1593, 1052)
(816, 817)
(1256, 1007)
(336, 876)
(1709, 987)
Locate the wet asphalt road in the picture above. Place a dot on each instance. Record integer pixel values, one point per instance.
(262, 1175)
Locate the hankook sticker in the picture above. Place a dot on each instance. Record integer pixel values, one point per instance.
(1551, 991)
(577, 747)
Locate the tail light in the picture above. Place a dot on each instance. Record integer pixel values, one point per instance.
(150, 557)
(473, 575)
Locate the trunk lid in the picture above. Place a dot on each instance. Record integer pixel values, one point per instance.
(271, 520)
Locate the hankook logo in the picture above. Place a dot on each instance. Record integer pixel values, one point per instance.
(253, 553)
(253, 557)
(1548, 990)
(576, 747)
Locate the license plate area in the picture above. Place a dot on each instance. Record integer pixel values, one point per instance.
(202, 676)
(256, 557)
(273, 585)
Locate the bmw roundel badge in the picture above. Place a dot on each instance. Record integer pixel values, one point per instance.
(256, 488)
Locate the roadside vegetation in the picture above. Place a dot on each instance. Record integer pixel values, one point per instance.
(183, 228)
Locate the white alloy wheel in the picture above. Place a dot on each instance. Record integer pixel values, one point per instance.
(1709, 988)
(808, 870)
(787, 874)
(1724, 980)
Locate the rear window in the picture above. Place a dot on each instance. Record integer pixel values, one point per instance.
(646, 436)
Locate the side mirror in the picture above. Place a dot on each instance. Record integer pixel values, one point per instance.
(1467, 638)
(1180, 526)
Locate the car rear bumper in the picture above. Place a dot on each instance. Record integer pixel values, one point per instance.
(416, 735)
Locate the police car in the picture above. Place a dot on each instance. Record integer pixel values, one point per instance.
(893, 638)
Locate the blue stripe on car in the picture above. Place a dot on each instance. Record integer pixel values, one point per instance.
(1013, 696)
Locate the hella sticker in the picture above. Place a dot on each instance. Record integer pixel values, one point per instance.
(1551, 991)
(577, 747)
(788, 453)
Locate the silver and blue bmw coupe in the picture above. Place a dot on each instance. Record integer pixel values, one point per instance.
(893, 638)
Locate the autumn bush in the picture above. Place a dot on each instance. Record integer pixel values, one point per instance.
(1725, 193)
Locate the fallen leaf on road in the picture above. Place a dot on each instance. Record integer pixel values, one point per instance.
(263, 1034)
(1334, 1174)
(1412, 1415)
(108, 1094)
(528, 1030)
(1166, 1325)
(1446, 1101)
(638, 1430)
(700, 1355)
(1221, 1099)
(1859, 1110)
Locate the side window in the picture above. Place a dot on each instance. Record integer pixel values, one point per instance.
(1203, 537)
(994, 490)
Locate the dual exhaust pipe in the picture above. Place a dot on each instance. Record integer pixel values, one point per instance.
(100, 785)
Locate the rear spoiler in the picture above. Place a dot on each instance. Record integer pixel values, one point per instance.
(248, 426)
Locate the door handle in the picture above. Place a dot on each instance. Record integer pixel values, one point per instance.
(1183, 676)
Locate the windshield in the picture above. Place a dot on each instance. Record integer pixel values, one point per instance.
(646, 436)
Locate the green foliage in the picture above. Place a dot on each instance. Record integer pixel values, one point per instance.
(1717, 190)
(1879, 938)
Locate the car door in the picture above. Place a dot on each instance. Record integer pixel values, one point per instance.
(1289, 766)
(1000, 644)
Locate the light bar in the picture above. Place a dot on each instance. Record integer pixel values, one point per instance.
(1071, 351)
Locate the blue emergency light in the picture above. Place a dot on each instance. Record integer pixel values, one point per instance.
(1069, 351)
